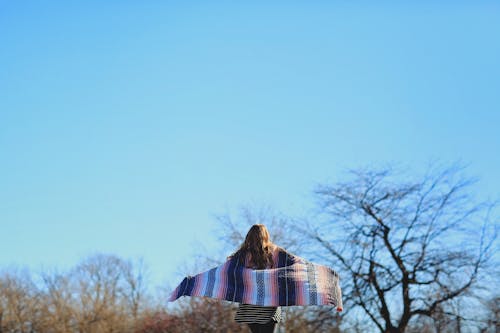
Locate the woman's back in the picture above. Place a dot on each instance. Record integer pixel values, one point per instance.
(256, 314)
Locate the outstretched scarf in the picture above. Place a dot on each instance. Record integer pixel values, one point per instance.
(292, 281)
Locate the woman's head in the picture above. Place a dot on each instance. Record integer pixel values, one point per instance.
(257, 236)
(257, 247)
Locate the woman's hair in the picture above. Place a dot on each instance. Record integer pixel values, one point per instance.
(257, 248)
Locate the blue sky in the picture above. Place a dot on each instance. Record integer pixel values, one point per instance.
(125, 126)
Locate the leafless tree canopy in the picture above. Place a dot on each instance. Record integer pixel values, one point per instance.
(103, 293)
(406, 248)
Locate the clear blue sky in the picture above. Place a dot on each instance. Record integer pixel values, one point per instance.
(125, 125)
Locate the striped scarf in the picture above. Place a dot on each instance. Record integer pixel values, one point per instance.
(293, 281)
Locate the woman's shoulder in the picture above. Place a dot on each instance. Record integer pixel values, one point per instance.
(279, 250)
(287, 256)
(276, 248)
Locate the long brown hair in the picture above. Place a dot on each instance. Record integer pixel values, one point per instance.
(257, 249)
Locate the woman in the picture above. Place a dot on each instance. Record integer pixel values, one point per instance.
(256, 252)
(262, 277)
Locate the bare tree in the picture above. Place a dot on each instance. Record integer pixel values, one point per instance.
(133, 287)
(110, 292)
(21, 306)
(60, 311)
(405, 248)
(103, 293)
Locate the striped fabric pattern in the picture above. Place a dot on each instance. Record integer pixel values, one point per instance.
(293, 281)
(248, 313)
